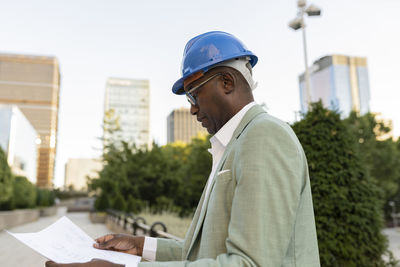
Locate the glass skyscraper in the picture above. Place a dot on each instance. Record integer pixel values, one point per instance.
(129, 100)
(341, 82)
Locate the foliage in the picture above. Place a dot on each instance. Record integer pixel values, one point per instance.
(6, 178)
(170, 177)
(24, 193)
(102, 203)
(380, 156)
(196, 170)
(68, 194)
(119, 203)
(45, 197)
(111, 130)
(134, 205)
(346, 201)
(18, 192)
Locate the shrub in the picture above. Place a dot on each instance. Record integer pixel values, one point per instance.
(45, 197)
(68, 194)
(134, 205)
(24, 193)
(166, 177)
(102, 203)
(119, 203)
(347, 205)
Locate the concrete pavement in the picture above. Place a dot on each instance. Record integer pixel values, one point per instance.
(393, 235)
(15, 254)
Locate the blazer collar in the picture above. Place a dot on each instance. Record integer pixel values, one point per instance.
(248, 117)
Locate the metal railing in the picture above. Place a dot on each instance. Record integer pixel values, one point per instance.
(136, 224)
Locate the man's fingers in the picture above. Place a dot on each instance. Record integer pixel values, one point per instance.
(105, 245)
(104, 238)
(102, 241)
(51, 264)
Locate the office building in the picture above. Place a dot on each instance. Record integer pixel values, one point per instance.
(33, 84)
(183, 126)
(341, 82)
(78, 170)
(18, 140)
(129, 102)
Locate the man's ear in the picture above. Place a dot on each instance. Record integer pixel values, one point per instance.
(228, 82)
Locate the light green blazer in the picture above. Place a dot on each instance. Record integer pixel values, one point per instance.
(259, 211)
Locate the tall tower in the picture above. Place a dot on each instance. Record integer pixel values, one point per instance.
(341, 82)
(33, 84)
(182, 126)
(129, 100)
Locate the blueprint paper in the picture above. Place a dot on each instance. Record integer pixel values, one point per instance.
(64, 242)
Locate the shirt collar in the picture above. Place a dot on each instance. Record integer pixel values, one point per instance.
(224, 134)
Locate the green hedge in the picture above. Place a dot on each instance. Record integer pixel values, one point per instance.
(18, 192)
(45, 197)
(347, 203)
(24, 193)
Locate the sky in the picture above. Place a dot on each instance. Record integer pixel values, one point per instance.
(97, 39)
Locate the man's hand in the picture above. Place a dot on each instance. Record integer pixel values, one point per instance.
(93, 263)
(120, 242)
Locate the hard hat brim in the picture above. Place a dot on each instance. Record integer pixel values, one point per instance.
(177, 88)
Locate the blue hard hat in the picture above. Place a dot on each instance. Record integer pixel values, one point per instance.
(208, 49)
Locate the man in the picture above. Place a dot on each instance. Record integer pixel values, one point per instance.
(256, 209)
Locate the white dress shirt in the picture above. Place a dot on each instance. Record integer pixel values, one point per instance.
(218, 145)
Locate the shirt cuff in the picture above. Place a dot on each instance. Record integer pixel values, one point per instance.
(149, 248)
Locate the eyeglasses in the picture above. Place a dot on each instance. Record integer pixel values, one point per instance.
(192, 98)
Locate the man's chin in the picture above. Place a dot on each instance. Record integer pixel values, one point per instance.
(210, 131)
(205, 124)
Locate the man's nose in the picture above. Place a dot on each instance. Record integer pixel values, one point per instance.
(194, 109)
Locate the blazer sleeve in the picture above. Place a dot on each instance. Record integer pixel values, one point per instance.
(168, 250)
(267, 167)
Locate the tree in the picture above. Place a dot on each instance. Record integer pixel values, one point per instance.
(119, 203)
(111, 129)
(102, 202)
(134, 205)
(379, 154)
(169, 177)
(346, 201)
(195, 174)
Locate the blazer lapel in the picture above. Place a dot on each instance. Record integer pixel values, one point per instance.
(248, 117)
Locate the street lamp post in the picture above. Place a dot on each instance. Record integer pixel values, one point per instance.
(298, 23)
